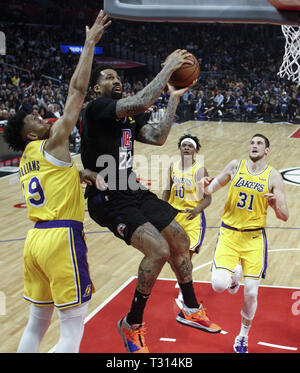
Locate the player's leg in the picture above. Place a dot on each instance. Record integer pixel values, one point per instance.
(250, 299)
(147, 239)
(221, 279)
(251, 286)
(192, 314)
(129, 222)
(37, 291)
(254, 262)
(180, 261)
(71, 328)
(226, 259)
(71, 286)
(195, 229)
(38, 323)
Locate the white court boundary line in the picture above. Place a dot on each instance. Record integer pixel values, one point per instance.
(167, 339)
(277, 346)
(290, 136)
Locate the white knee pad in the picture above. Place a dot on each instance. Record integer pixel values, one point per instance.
(220, 279)
(77, 311)
(250, 298)
(71, 328)
(41, 312)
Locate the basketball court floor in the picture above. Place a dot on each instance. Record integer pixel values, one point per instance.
(275, 330)
(113, 264)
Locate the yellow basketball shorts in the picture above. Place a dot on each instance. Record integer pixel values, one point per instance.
(55, 265)
(247, 247)
(194, 228)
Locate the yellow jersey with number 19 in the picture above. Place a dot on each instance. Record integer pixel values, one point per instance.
(51, 187)
(246, 206)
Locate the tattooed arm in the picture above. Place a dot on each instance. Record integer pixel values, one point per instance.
(157, 134)
(146, 97)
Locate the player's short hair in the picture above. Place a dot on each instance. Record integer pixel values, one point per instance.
(12, 133)
(188, 136)
(267, 142)
(96, 73)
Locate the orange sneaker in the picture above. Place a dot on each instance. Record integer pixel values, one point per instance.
(198, 320)
(133, 336)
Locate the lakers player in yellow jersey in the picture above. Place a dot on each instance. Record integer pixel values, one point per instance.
(242, 244)
(56, 271)
(183, 193)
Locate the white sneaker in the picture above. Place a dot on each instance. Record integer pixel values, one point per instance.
(235, 280)
(241, 345)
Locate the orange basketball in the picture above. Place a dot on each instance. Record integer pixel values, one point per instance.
(186, 74)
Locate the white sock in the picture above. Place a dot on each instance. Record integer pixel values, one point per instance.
(71, 328)
(244, 330)
(38, 323)
(188, 310)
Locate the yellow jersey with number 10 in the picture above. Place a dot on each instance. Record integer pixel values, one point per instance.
(246, 206)
(51, 188)
(184, 192)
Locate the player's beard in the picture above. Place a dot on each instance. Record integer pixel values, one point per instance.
(116, 95)
(257, 158)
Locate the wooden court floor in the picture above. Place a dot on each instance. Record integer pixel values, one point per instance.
(112, 262)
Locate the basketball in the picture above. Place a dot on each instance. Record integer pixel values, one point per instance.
(186, 74)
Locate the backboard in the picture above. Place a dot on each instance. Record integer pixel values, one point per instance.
(280, 12)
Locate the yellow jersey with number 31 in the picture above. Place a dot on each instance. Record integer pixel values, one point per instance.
(51, 187)
(246, 206)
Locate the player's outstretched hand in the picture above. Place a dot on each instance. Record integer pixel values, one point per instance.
(95, 33)
(177, 58)
(204, 182)
(179, 91)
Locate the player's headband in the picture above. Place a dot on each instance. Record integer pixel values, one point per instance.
(191, 141)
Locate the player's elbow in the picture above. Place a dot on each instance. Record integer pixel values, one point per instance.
(160, 141)
(78, 87)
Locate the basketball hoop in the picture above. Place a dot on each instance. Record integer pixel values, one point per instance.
(290, 67)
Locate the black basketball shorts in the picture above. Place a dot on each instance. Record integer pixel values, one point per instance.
(122, 212)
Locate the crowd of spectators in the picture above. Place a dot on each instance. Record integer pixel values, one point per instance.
(238, 63)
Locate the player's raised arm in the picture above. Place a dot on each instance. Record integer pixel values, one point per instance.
(146, 97)
(210, 185)
(158, 134)
(78, 85)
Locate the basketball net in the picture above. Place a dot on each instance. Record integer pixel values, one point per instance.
(290, 67)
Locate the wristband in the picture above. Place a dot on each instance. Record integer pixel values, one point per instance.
(212, 187)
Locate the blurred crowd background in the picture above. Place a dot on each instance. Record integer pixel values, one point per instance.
(238, 62)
